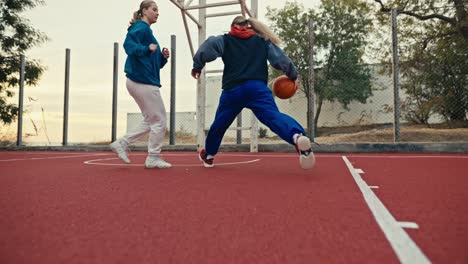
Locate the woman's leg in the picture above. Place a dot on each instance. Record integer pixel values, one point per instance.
(230, 105)
(149, 100)
(264, 107)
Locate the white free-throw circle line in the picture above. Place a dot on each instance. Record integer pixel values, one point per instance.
(97, 162)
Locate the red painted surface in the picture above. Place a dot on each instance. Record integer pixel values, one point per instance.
(430, 191)
(60, 210)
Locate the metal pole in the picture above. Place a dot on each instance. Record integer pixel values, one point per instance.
(311, 113)
(19, 137)
(189, 38)
(172, 130)
(115, 79)
(66, 96)
(396, 98)
(205, 5)
(201, 84)
(253, 120)
(254, 8)
(239, 131)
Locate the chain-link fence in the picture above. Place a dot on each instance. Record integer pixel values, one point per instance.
(334, 120)
(432, 100)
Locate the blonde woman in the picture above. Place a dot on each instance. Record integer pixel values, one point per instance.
(144, 61)
(245, 51)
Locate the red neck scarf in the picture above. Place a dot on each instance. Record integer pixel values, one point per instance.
(243, 32)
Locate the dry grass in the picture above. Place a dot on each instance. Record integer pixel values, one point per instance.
(356, 134)
(7, 136)
(407, 134)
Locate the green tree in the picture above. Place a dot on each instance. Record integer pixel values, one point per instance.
(16, 37)
(341, 30)
(433, 50)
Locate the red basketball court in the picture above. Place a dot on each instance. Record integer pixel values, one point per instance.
(88, 207)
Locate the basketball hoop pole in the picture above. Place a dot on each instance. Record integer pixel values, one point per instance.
(185, 8)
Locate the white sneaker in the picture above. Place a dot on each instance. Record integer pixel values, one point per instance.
(121, 152)
(156, 162)
(306, 156)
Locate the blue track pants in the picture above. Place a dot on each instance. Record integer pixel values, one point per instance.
(256, 96)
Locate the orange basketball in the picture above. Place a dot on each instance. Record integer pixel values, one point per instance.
(283, 87)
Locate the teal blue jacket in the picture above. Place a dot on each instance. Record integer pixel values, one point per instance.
(142, 65)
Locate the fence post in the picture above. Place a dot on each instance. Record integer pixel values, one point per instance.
(396, 98)
(115, 91)
(66, 97)
(239, 131)
(201, 83)
(172, 130)
(19, 137)
(311, 94)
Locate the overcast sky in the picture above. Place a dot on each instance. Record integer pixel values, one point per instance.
(89, 28)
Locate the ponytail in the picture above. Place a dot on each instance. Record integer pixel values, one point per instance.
(136, 16)
(264, 31)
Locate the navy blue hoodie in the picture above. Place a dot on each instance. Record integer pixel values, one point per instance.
(244, 59)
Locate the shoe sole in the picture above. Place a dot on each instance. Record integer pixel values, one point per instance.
(306, 162)
(117, 153)
(204, 163)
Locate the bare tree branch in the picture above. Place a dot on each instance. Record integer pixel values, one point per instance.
(449, 20)
(431, 38)
(460, 21)
(383, 8)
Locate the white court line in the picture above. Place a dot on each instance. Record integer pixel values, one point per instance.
(56, 157)
(411, 225)
(405, 248)
(44, 152)
(96, 162)
(403, 156)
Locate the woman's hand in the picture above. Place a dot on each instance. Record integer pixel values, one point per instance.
(153, 47)
(195, 74)
(165, 52)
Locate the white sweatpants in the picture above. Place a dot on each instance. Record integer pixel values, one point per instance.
(152, 108)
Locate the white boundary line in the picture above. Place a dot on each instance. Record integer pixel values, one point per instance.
(405, 248)
(54, 157)
(403, 156)
(93, 162)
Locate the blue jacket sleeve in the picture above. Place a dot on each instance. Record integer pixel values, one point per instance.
(132, 43)
(211, 49)
(280, 61)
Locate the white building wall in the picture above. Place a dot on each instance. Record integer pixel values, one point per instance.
(378, 109)
(185, 121)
